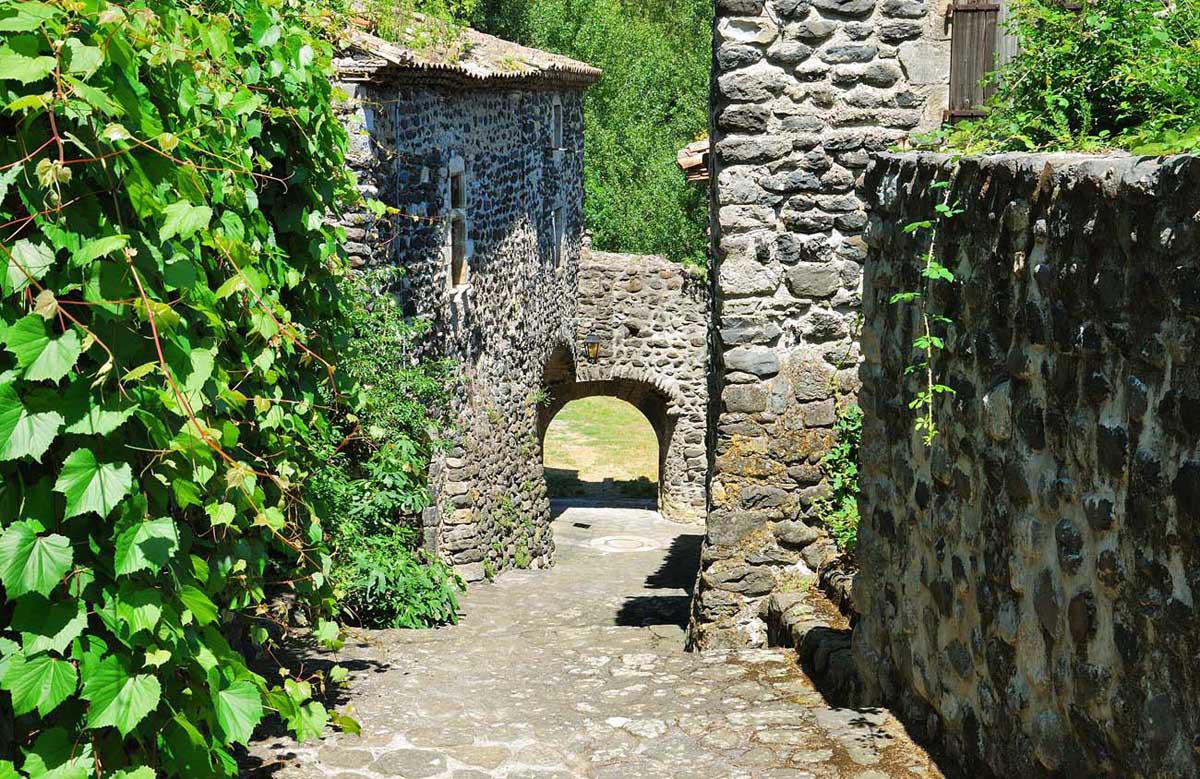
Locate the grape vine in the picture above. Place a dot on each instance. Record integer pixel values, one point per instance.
(166, 171)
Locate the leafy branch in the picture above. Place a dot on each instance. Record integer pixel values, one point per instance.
(929, 341)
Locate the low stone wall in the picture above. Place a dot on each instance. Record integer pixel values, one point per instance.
(1028, 584)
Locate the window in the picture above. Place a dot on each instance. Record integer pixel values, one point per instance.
(458, 251)
(458, 190)
(458, 246)
(980, 43)
(556, 123)
(558, 234)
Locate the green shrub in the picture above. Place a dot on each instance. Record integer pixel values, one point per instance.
(165, 172)
(839, 508)
(373, 487)
(653, 101)
(1119, 73)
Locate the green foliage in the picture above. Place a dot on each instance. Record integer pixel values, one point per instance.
(373, 486)
(928, 341)
(652, 101)
(1119, 73)
(432, 27)
(839, 509)
(165, 173)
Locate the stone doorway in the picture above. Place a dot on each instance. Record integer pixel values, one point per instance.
(602, 450)
(680, 494)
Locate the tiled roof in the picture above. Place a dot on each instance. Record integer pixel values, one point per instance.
(473, 59)
(693, 160)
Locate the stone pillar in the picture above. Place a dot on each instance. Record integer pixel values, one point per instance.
(803, 92)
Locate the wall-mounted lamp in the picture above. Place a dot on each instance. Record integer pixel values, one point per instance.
(591, 347)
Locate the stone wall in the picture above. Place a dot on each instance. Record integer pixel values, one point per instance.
(491, 507)
(1028, 584)
(651, 316)
(803, 92)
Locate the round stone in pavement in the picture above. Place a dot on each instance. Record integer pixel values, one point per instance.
(410, 763)
(579, 671)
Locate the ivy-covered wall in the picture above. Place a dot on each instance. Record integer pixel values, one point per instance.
(1028, 583)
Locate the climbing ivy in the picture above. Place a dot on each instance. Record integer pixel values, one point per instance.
(933, 325)
(165, 173)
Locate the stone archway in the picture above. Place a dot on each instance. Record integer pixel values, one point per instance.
(681, 484)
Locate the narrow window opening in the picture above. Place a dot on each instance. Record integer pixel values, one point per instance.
(458, 190)
(458, 251)
(556, 124)
(460, 257)
(559, 235)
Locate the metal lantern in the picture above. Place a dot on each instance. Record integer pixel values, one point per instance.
(591, 347)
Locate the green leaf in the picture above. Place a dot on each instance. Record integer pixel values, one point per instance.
(28, 16)
(327, 632)
(220, 514)
(239, 710)
(134, 773)
(7, 771)
(83, 59)
(22, 433)
(98, 247)
(41, 682)
(42, 356)
(346, 723)
(311, 721)
(183, 220)
(146, 546)
(88, 415)
(90, 485)
(46, 626)
(27, 260)
(56, 755)
(201, 606)
(32, 563)
(119, 700)
(138, 608)
(157, 657)
(24, 68)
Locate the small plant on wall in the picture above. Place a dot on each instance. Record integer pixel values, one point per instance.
(838, 510)
(932, 328)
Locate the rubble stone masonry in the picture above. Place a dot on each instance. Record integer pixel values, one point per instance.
(803, 92)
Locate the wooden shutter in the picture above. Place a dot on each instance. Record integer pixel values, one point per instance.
(973, 49)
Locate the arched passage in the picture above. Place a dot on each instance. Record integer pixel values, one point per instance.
(601, 448)
(680, 490)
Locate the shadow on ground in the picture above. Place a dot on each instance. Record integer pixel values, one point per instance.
(567, 483)
(677, 572)
(301, 653)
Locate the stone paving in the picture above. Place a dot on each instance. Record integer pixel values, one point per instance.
(579, 671)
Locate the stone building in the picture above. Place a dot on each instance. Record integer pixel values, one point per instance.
(478, 147)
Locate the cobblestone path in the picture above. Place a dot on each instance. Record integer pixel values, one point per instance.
(579, 672)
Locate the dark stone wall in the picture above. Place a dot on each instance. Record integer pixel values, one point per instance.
(491, 509)
(1028, 583)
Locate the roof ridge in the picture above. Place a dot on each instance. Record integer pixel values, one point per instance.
(483, 58)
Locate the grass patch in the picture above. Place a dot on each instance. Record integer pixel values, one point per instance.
(601, 447)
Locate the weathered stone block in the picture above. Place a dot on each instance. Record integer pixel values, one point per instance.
(845, 7)
(814, 280)
(760, 361)
(745, 399)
